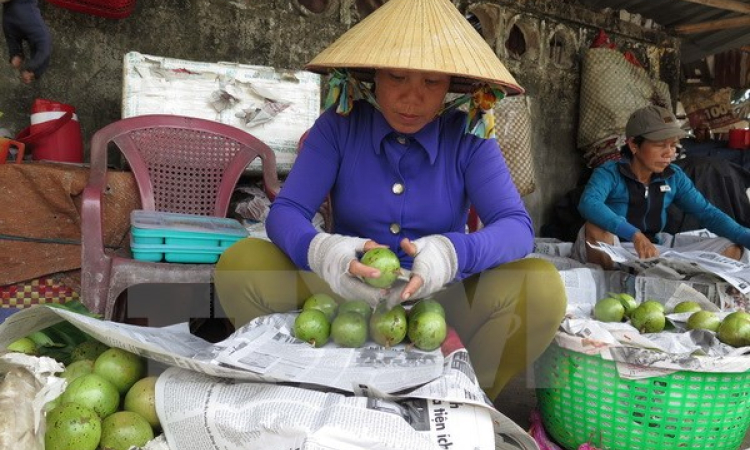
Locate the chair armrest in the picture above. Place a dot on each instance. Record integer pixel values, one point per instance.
(92, 233)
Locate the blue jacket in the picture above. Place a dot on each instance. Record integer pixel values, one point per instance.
(22, 21)
(617, 202)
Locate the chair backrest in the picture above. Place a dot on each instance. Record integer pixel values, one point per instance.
(183, 164)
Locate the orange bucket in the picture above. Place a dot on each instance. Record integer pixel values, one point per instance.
(5, 146)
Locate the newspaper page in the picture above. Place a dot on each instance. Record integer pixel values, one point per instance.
(678, 265)
(552, 247)
(731, 299)
(174, 347)
(583, 287)
(648, 355)
(266, 346)
(584, 283)
(211, 399)
(459, 386)
(239, 415)
(663, 289)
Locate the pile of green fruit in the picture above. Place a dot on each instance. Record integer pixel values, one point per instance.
(352, 323)
(647, 317)
(650, 317)
(108, 402)
(57, 341)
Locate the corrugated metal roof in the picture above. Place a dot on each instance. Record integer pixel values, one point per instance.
(674, 13)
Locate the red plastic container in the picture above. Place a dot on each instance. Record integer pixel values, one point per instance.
(111, 9)
(739, 138)
(54, 134)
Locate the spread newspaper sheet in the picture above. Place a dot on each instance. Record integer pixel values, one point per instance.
(262, 388)
(717, 283)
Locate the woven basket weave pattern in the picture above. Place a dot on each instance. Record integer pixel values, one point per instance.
(513, 130)
(187, 174)
(611, 89)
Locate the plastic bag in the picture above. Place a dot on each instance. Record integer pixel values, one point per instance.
(18, 389)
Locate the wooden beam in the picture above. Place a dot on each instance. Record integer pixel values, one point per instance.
(735, 22)
(729, 5)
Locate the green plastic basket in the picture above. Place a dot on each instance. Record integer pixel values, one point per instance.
(582, 399)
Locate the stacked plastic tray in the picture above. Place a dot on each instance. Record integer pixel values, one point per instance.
(181, 238)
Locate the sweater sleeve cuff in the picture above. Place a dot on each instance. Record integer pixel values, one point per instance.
(459, 245)
(303, 249)
(626, 231)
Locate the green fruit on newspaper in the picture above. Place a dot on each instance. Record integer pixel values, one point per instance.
(94, 392)
(648, 319)
(72, 426)
(628, 302)
(323, 302)
(652, 305)
(23, 345)
(703, 320)
(90, 350)
(427, 304)
(687, 306)
(77, 368)
(141, 399)
(388, 326)
(359, 306)
(609, 310)
(312, 326)
(349, 329)
(734, 330)
(386, 262)
(125, 429)
(427, 330)
(120, 367)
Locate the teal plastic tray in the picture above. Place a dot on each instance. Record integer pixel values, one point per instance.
(187, 238)
(181, 238)
(186, 222)
(179, 254)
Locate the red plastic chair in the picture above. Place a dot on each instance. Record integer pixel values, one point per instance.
(180, 164)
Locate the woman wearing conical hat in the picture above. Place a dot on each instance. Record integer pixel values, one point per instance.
(402, 168)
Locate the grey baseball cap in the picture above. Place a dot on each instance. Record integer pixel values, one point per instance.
(654, 123)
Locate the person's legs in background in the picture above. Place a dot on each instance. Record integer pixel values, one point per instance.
(506, 317)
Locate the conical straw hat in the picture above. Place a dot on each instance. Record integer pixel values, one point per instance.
(429, 35)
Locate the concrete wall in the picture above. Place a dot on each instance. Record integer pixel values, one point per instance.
(86, 69)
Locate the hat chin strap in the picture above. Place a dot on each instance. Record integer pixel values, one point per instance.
(344, 89)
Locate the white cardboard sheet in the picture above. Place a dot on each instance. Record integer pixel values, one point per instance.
(160, 85)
